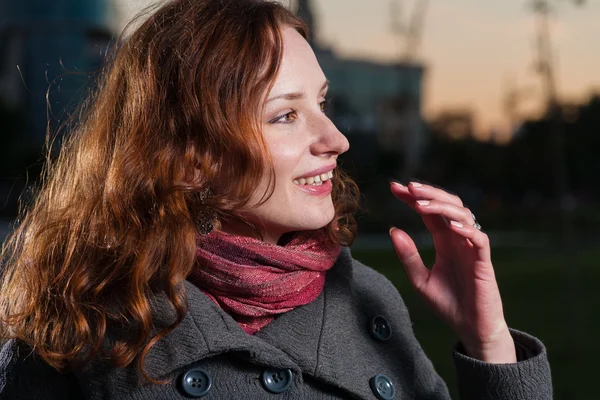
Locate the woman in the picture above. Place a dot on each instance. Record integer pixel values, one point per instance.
(191, 240)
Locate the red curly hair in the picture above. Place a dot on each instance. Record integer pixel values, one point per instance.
(114, 221)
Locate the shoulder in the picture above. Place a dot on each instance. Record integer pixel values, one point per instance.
(365, 278)
(369, 279)
(25, 375)
(371, 287)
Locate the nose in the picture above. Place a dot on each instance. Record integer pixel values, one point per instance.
(328, 139)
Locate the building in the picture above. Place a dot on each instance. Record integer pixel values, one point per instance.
(44, 48)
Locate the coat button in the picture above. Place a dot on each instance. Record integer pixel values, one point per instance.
(195, 383)
(382, 387)
(277, 380)
(380, 328)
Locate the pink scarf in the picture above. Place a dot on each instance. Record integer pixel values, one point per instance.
(254, 281)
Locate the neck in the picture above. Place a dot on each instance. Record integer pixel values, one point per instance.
(241, 229)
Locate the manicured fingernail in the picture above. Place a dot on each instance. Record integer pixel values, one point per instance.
(456, 224)
(423, 202)
(416, 184)
(392, 180)
(398, 184)
(392, 230)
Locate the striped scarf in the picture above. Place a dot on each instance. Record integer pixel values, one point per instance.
(253, 281)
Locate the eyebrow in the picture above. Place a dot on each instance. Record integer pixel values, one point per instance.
(296, 95)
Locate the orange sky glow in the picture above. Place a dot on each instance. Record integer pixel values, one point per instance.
(475, 51)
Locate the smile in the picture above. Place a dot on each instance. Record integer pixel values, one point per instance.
(316, 180)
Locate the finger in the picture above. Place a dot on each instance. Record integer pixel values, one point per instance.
(402, 193)
(433, 223)
(407, 252)
(480, 240)
(448, 210)
(422, 191)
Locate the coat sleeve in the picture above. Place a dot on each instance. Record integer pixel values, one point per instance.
(25, 376)
(527, 379)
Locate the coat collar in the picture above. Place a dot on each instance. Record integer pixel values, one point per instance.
(310, 340)
(292, 340)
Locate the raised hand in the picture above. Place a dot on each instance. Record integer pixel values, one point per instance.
(460, 286)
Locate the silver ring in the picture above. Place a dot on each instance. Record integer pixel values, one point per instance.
(476, 224)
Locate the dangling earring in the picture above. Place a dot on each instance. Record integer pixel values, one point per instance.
(205, 218)
(204, 225)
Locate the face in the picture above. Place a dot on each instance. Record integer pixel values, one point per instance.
(304, 145)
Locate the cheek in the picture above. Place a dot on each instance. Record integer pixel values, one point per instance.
(284, 160)
(286, 157)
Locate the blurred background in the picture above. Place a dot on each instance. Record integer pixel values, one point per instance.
(498, 102)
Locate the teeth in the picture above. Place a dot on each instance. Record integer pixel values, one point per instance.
(316, 180)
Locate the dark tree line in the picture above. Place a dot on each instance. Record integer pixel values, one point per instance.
(520, 174)
(526, 164)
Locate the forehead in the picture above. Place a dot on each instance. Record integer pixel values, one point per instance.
(299, 66)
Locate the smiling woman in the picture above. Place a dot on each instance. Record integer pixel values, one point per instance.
(192, 240)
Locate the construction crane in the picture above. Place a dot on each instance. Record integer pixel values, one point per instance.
(545, 63)
(410, 34)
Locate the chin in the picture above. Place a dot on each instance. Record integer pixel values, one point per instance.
(318, 221)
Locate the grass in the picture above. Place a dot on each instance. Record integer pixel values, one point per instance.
(551, 294)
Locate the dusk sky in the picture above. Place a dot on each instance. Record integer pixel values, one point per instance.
(474, 50)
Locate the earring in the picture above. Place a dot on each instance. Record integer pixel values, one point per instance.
(204, 225)
(205, 218)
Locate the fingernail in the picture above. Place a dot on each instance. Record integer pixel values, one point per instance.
(398, 184)
(423, 202)
(456, 224)
(392, 230)
(396, 181)
(416, 184)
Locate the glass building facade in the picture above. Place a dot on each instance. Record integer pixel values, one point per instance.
(48, 53)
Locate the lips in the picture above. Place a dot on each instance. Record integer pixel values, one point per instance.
(317, 190)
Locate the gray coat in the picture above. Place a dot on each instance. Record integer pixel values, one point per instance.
(355, 341)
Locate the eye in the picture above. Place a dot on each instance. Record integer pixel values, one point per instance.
(287, 118)
(325, 105)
